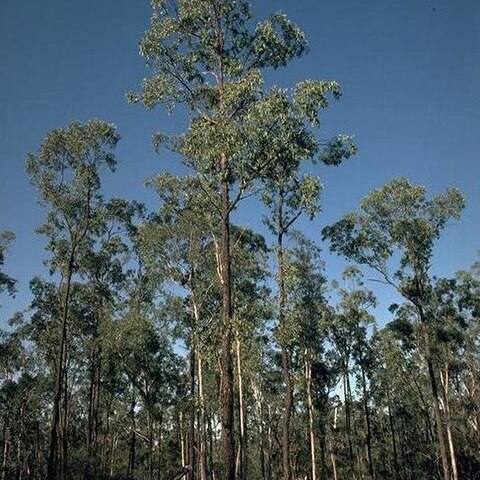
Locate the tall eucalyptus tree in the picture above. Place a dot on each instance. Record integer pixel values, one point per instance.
(66, 172)
(398, 219)
(209, 56)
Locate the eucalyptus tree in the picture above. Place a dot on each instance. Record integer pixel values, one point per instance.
(456, 331)
(144, 352)
(355, 319)
(8, 351)
(306, 331)
(450, 330)
(288, 194)
(209, 56)
(398, 388)
(399, 219)
(252, 312)
(287, 197)
(11, 353)
(65, 170)
(102, 266)
(178, 243)
(141, 368)
(467, 289)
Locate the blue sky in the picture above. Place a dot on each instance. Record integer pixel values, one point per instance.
(409, 70)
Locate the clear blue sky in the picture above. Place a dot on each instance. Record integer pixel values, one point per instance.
(409, 69)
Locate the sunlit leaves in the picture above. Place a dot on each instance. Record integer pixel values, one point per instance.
(66, 171)
(396, 218)
(311, 97)
(277, 41)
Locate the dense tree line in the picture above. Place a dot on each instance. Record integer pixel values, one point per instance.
(176, 344)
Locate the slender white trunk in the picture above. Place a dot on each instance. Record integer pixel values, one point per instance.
(332, 453)
(203, 435)
(240, 464)
(444, 378)
(308, 376)
(182, 441)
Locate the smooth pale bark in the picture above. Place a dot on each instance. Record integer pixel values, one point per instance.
(182, 441)
(435, 394)
(348, 424)
(6, 444)
(311, 433)
(332, 452)
(150, 443)
(133, 439)
(392, 433)
(202, 460)
(259, 413)
(112, 452)
(226, 373)
(240, 464)
(444, 378)
(192, 408)
(210, 448)
(160, 448)
(202, 434)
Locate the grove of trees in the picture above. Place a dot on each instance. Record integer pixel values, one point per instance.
(177, 343)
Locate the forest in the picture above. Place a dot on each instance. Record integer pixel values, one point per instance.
(177, 343)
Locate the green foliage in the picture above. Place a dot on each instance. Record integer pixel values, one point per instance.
(135, 319)
(7, 283)
(65, 170)
(209, 56)
(396, 217)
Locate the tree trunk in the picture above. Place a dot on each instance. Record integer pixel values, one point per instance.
(241, 464)
(5, 444)
(308, 377)
(392, 432)
(192, 413)
(270, 444)
(367, 416)
(150, 441)
(226, 368)
(202, 422)
(160, 448)
(52, 463)
(66, 416)
(332, 451)
(259, 411)
(435, 393)
(133, 439)
(182, 440)
(226, 371)
(451, 446)
(93, 413)
(288, 401)
(112, 453)
(211, 468)
(348, 421)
